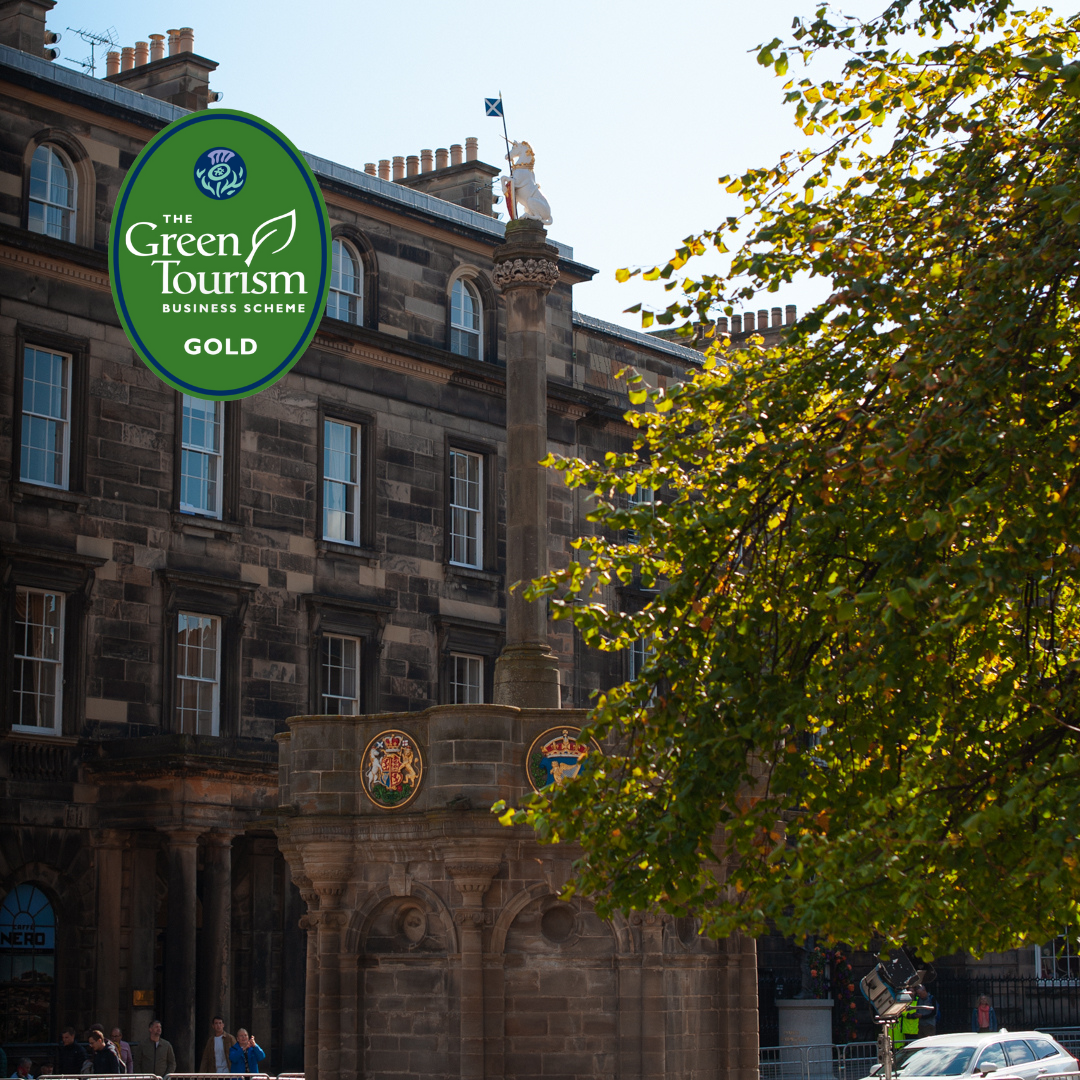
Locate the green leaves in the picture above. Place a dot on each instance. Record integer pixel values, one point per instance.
(859, 583)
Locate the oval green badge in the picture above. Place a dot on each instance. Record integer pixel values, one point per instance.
(219, 255)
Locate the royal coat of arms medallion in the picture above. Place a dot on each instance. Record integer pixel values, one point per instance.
(556, 756)
(391, 769)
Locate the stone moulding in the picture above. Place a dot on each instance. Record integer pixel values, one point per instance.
(515, 272)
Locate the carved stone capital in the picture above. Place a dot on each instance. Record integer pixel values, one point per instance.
(474, 918)
(332, 920)
(518, 273)
(472, 879)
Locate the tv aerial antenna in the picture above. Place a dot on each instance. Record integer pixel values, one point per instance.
(107, 39)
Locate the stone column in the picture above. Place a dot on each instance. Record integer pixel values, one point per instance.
(526, 268)
(653, 1010)
(263, 854)
(180, 946)
(109, 863)
(143, 930)
(472, 881)
(216, 938)
(748, 1009)
(332, 923)
(310, 924)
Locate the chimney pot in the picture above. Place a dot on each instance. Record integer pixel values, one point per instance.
(142, 53)
(127, 58)
(736, 324)
(399, 168)
(157, 47)
(721, 324)
(112, 63)
(777, 317)
(455, 154)
(384, 168)
(187, 39)
(471, 148)
(748, 321)
(426, 164)
(369, 168)
(789, 314)
(174, 42)
(763, 319)
(413, 163)
(442, 156)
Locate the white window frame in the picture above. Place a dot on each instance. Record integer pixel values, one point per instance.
(47, 202)
(215, 459)
(466, 679)
(1052, 953)
(459, 331)
(350, 487)
(325, 665)
(181, 678)
(63, 421)
(57, 665)
(466, 521)
(338, 294)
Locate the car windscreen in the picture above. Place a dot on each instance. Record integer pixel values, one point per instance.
(933, 1060)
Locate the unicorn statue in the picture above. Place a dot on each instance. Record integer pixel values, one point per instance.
(523, 195)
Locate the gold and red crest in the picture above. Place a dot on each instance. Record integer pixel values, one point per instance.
(391, 769)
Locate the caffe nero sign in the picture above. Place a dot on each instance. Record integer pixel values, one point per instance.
(219, 255)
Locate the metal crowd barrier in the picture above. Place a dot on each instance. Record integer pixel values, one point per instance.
(823, 1061)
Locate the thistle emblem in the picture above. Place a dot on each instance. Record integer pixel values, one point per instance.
(220, 173)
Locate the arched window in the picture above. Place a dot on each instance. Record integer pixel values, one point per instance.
(52, 194)
(346, 299)
(465, 321)
(27, 975)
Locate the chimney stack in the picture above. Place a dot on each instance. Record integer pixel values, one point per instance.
(442, 158)
(426, 161)
(142, 53)
(789, 314)
(182, 78)
(384, 168)
(455, 153)
(112, 64)
(413, 165)
(471, 147)
(22, 26)
(399, 167)
(174, 42)
(369, 168)
(777, 318)
(187, 39)
(127, 58)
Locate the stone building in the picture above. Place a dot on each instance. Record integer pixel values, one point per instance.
(179, 578)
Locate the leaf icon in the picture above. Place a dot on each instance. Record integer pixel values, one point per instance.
(267, 229)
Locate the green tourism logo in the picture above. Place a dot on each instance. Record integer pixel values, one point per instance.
(219, 255)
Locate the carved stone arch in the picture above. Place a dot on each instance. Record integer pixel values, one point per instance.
(85, 180)
(370, 263)
(620, 928)
(356, 933)
(489, 300)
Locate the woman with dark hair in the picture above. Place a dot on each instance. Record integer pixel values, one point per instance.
(106, 1063)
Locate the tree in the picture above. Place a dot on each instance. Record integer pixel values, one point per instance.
(859, 716)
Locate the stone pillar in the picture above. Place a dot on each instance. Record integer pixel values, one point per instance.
(310, 924)
(109, 863)
(526, 268)
(653, 1011)
(214, 990)
(180, 946)
(748, 1009)
(263, 854)
(332, 924)
(472, 880)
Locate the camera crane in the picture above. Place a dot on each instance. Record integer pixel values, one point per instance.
(890, 988)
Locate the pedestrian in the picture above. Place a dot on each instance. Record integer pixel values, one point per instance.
(22, 1070)
(928, 1024)
(983, 1017)
(246, 1055)
(215, 1055)
(71, 1055)
(123, 1050)
(46, 1069)
(155, 1055)
(106, 1063)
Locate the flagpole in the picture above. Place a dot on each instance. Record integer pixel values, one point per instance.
(512, 208)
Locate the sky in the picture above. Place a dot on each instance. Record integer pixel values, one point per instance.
(633, 108)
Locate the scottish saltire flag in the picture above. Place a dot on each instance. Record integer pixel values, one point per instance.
(493, 106)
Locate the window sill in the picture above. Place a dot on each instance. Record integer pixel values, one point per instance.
(21, 491)
(41, 735)
(368, 556)
(473, 574)
(211, 528)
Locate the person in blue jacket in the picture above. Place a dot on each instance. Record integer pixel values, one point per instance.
(245, 1055)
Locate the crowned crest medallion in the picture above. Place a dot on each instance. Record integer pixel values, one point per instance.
(556, 756)
(391, 769)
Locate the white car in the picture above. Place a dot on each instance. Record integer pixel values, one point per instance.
(1024, 1054)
